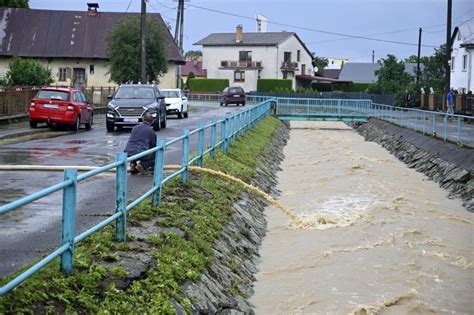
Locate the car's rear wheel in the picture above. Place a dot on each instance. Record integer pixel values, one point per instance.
(180, 114)
(185, 114)
(157, 125)
(77, 123)
(243, 104)
(33, 124)
(89, 124)
(110, 126)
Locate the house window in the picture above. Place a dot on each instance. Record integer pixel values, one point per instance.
(91, 69)
(298, 53)
(287, 56)
(303, 69)
(239, 76)
(464, 62)
(285, 74)
(452, 63)
(245, 55)
(62, 74)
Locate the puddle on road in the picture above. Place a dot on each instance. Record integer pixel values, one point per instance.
(382, 240)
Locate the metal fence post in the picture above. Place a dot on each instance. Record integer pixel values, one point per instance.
(213, 138)
(159, 159)
(121, 197)
(445, 129)
(424, 122)
(433, 124)
(339, 107)
(185, 156)
(69, 220)
(223, 134)
(200, 145)
(231, 129)
(459, 130)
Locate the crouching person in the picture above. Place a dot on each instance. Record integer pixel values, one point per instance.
(141, 139)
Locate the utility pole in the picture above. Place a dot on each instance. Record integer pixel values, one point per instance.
(418, 59)
(178, 37)
(143, 79)
(448, 52)
(373, 56)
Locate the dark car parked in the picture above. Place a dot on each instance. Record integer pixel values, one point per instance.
(131, 102)
(233, 95)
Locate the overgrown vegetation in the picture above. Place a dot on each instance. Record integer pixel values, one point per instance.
(29, 72)
(191, 218)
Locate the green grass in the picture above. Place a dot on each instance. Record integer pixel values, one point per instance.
(199, 211)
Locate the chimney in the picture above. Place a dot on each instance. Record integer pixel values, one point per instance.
(92, 9)
(238, 34)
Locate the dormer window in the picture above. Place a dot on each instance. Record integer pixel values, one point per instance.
(459, 35)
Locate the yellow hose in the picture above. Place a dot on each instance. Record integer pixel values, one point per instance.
(296, 220)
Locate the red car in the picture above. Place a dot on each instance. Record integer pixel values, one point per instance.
(233, 95)
(62, 106)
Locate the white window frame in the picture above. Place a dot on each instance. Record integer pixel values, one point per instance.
(453, 60)
(63, 77)
(239, 76)
(464, 62)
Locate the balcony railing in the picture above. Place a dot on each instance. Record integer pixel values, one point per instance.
(288, 65)
(241, 64)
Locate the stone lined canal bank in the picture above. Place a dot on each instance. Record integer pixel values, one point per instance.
(451, 166)
(379, 238)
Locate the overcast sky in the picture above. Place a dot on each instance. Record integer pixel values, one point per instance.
(307, 18)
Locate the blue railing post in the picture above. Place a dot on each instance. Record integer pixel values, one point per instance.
(416, 121)
(213, 138)
(231, 129)
(339, 107)
(69, 220)
(223, 134)
(459, 131)
(158, 174)
(424, 122)
(185, 157)
(433, 124)
(445, 129)
(200, 145)
(121, 197)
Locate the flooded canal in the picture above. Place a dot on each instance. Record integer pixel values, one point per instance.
(380, 238)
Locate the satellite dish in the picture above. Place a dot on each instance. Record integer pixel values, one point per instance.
(315, 69)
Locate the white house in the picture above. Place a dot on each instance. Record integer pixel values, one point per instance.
(462, 54)
(243, 58)
(73, 44)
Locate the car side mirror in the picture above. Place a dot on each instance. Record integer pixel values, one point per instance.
(161, 97)
(184, 98)
(109, 97)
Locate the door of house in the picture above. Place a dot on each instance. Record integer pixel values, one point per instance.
(79, 77)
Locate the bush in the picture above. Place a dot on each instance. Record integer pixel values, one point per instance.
(359, 87)
(28, 72)
(322, 87)
(271, 85)
(208, 85)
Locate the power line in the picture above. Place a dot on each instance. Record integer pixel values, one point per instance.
(311, 29)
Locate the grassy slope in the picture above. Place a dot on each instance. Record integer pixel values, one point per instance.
(200, 210)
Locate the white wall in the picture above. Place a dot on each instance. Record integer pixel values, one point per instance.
(100, 77)
(462, 79)
(270, 56)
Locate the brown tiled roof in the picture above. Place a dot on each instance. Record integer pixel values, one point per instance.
(306, 77)
(66, 34)
(194, 67)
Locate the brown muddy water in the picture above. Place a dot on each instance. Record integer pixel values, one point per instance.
(380, 238)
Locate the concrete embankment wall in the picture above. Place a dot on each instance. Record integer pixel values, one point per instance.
(238, 246)
(451, 166)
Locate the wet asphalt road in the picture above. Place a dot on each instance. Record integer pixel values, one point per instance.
(33, 231)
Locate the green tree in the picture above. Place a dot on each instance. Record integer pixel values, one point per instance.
(123, 51)
(193, 54)
(320, 63)
(433, 72)
(190, 76)
(391, 77)
(14, 3)
(411, 59)
(27, 72)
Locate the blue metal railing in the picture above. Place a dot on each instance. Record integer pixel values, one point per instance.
(455, 128)
(232, 126)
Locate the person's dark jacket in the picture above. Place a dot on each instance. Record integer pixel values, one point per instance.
(142, 138)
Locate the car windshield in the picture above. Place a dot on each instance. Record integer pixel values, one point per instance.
(236, 90)
(52, 95)
(170, 94)
(130, 92)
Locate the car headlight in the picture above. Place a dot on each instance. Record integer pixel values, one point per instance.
(112, 106)
(152, 105)
(153, 115)
(110, 115)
